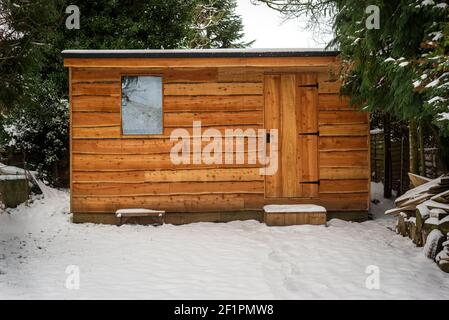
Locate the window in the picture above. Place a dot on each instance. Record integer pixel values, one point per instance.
(141, 105)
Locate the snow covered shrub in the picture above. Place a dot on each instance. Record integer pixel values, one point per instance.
(37, 127)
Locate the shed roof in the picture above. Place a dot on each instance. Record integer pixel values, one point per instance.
(198, 53)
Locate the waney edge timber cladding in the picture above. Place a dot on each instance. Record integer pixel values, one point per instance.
(323, 143)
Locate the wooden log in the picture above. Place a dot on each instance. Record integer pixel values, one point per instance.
(422, 214)
(396, 211)
(417, 180)
(411, 228)
(401, 227)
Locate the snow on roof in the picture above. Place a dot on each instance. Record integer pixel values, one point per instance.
(192, 53)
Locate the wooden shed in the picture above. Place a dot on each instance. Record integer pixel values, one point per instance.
(126, 105)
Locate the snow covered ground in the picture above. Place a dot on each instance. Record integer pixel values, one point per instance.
(237, 260)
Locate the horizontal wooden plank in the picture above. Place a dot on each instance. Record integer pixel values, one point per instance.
(342, 117)
(150, 146)
(171, 188)
(174, 120)
(208, 119)
(95, 162)
(190, 75)
(212, 103)
(343, 143)
(240, 75)
(199, 62)
(177, 218)
(193, 175)
(330, 75)
(122, 146)
(237, 174)
(345, 201)
(95, 119)
(169, 75)
(344, 186)
(96, 103)
(344, 158)
(213, 202)
(95, 133)
(173, 103)
(344, 130)
(108, 176)
(210, 88)
(115, 132)
(333, 102)
(177, 203)
(332, 202)
(80, 75)
(328, 87)
(97, 88)
(335, 172)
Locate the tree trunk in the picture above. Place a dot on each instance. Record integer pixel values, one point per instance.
(422, 159)
(414, 154)
(387, 157)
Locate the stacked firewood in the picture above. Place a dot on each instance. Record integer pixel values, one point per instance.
(422, 210)
(442, 258)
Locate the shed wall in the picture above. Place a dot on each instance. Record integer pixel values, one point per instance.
(110, 171)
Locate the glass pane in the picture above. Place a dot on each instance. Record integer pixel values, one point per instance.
(141, 105)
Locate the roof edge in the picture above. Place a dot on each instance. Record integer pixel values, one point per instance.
(198, 53)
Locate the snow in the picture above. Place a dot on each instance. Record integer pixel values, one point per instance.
(124, 212)
(433, 239)
(12, 177)
(441, 5)
(417, 83)
(236, 260)
(436, 99)
(376, 131)
(432, 221)
(435, 213)
(11, 170)
(293, 208)
(427, 3)
(436, 35)
(443, 116)
(434, 83)
(412, 220)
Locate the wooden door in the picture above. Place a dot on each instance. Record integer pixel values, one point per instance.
(291, 107)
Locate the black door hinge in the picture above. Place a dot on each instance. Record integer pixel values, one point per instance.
(310, 134)
(309, 86)
(311, 182)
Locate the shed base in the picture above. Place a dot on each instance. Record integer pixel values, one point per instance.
(185, 218)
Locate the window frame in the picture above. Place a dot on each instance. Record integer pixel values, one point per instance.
(146, 135)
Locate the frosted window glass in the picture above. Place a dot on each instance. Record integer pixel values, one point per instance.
(141, 105)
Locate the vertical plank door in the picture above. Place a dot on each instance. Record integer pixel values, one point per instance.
(291, 108)
(308, 134)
